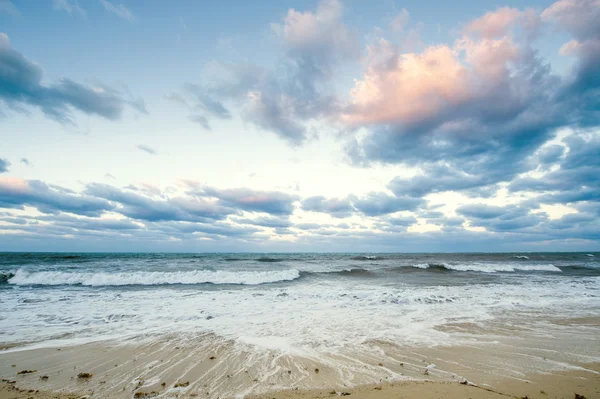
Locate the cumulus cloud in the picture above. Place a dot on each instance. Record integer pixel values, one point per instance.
(21, 85)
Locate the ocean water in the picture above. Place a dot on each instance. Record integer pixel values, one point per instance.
(295, 303)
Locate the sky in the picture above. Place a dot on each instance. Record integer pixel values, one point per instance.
(294, 126)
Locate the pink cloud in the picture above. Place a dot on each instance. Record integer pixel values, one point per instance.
(14, 185)
(413, 87)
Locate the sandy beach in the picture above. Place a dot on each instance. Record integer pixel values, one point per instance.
(169, 371)
(559, 385)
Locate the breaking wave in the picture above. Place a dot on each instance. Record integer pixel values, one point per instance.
(22, 277)
(488, 268)
(366, 257)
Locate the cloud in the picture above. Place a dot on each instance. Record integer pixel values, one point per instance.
(109, 176)
(142, 207)
(147, 149)
(21, 84)
(577, 177)
(17, 193)
(376, 204)
(71, 7)
(287, 98)
(272, 202)
(372, 204)
(500, 219)
(400, 21)
(499, 23)
(470, 115)
(273, 222)
(119, 10)
(25, 161)
(4, 164)
(335, 207)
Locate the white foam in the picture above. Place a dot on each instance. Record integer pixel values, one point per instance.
(502, 267)
(493, 267)
(23, 277)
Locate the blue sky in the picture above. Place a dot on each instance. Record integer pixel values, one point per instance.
(299, 126)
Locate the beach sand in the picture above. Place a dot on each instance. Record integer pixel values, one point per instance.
(562, 385)
(223, 371)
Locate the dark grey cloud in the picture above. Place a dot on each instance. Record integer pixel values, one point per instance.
(21, 86)
(499, 219)
(147, 149)
(49, 199)
(4, 164)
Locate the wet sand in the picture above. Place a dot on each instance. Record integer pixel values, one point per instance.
(220, 369)
(558, 385)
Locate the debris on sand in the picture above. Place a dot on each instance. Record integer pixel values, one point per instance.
(26, 371)
(84, 376)
(44, 377)
(317, 371)
(145, 394)
(578, 396)
(212, 358)
(181, 384)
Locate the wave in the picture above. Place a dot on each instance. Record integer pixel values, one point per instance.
(267, 259)
(366, 257)
(4, 277)
(521, 257)
(581, 270)
(489, 268)
(22, 277)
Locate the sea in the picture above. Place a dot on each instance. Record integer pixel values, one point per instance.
(294, 302)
